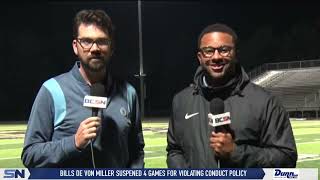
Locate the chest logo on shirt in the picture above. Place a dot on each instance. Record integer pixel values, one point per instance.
(123, 111)
(188, 116)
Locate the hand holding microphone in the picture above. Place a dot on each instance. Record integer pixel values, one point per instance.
(222, 136)
(87, 131)
(89, 127)
(222, 144)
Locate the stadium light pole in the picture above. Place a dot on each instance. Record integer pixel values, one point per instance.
(141, 74)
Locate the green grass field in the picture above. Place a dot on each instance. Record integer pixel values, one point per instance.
(307, 135)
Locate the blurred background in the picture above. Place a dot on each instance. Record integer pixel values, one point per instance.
(36, 42)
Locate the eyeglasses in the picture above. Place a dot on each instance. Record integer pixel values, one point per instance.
(208, 52)
(87, 43)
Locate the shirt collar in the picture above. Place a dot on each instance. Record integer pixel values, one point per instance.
(76, 73)
(205, 82)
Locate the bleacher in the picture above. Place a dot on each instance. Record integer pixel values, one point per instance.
(298, 88)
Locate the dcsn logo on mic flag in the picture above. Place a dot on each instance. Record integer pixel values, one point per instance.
(95, 102)
(219, 119)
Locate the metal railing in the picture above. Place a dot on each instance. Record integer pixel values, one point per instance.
(283, 65)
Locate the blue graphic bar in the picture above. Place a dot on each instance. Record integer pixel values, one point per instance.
(50, 173)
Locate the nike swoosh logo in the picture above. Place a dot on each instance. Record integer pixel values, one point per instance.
(189, 116)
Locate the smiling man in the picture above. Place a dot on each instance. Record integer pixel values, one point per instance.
(260, 134)
(60, 128)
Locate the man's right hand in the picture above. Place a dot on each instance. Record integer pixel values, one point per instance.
(87, 131)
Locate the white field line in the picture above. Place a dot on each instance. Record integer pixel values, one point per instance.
(310, 142)
(309, 159)
(166, 145)
(159, 157)
(10, 149)
(11, 143)
(305, 133)
(155, 146)
(156, 157)
(10, 158)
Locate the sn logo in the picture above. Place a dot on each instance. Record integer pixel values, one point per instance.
(14, 173)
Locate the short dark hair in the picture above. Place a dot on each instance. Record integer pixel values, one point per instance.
(93, 16)
(218, 27)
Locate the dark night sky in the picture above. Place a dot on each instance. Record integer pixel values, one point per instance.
(36, 43)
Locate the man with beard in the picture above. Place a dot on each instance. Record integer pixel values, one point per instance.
(60, 129)
(260, 134)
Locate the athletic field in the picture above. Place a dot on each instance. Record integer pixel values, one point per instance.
(307, 135)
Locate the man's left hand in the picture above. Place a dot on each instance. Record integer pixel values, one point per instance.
(222, 144)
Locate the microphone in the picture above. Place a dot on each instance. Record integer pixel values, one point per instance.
(219, 119)
(96, 100)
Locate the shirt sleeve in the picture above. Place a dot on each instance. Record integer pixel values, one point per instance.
(39, 150)
(175, 154)
(136, 143)
(277, 146)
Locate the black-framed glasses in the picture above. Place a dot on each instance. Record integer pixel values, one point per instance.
(209, 51)
(87, 43)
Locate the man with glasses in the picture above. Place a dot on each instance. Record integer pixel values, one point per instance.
(260, 134)
(60, 128)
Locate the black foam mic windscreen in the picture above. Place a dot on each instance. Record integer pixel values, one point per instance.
(217, 107)
(97, 89)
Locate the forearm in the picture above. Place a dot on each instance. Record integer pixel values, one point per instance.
(48, 154)
(175, 159)
(138, 153)
(175, 155)
(245, 155)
